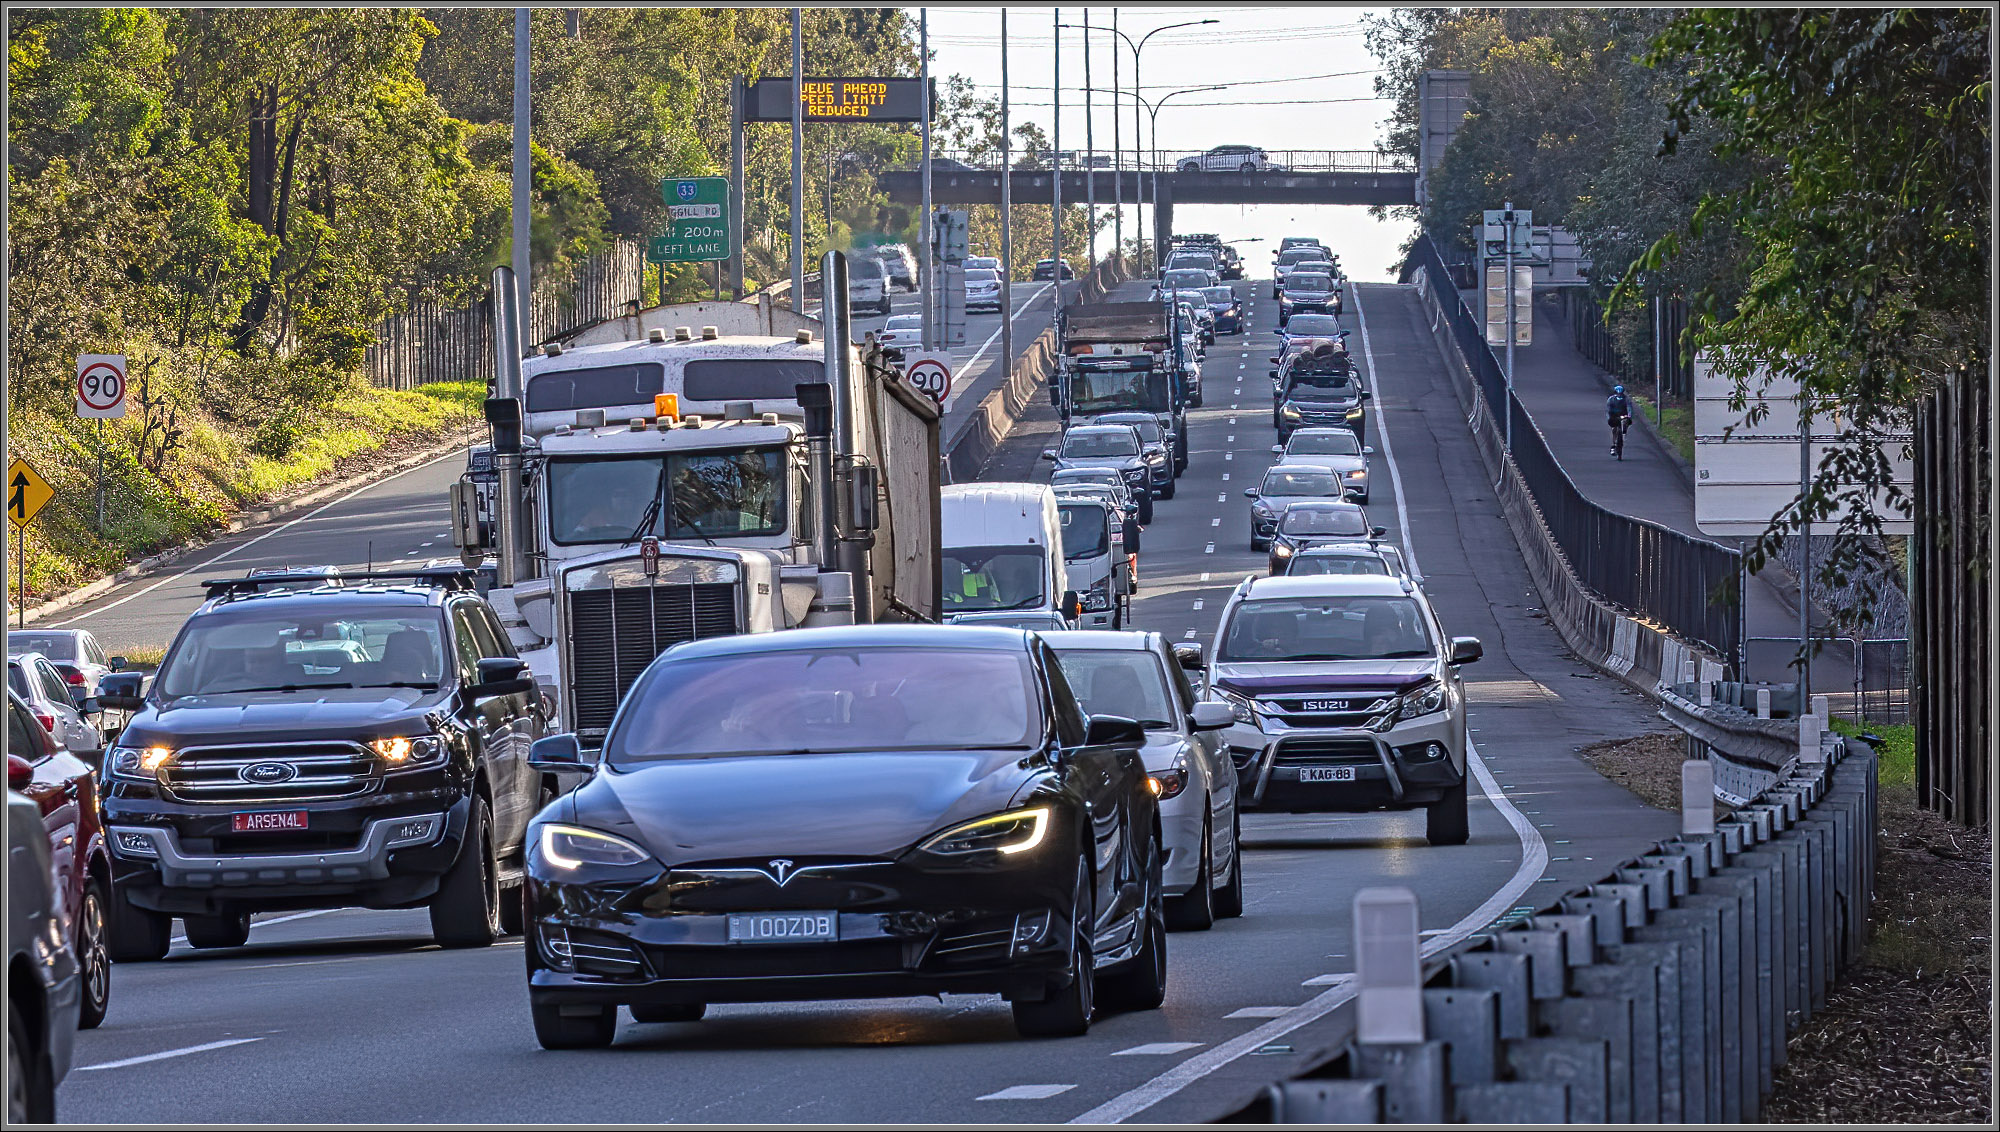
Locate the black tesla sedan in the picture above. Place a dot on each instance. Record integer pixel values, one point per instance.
(847, 812)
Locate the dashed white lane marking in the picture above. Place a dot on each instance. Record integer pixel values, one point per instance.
(1232, 440)
(1534, 858)
(1328, 980)
(421, 545)
(1204, 576)
(1259, 1012)
(1188, 636)
(1027, 1092)
(1151, 1049)
(1232, 420)
(167, 1053)
(1225, 477)
(1215, 522)
(1209, 549)
(1222, 497)
(1197, 603)
(1229, 455)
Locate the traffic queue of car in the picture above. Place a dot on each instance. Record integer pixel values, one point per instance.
(1023, 801)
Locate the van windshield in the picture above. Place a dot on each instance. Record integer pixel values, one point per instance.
(980, 578)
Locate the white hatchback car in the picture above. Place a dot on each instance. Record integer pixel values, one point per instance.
(982, 289)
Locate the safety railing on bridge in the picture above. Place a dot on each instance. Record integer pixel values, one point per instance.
(1870, 675)
(1171, 160)
(1686, 584)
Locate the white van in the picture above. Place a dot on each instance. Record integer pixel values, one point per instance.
(1003, 559)
(867, 284)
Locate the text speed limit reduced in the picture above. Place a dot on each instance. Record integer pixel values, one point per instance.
(100, 385)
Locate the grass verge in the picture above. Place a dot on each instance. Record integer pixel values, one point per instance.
(1677, 425)
(1906, 1035)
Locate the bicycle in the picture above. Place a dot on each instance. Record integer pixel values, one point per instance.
(1618, 427)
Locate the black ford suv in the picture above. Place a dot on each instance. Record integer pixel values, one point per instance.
(307, 745)
(1347, 699)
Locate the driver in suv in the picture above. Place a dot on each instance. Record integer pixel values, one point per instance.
(1347, 698)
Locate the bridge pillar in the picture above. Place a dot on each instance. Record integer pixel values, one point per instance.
(1163, 217)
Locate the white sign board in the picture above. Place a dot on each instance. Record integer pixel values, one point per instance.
(1496, 304)
(1744, 474)
(100, 385)
(930, 373)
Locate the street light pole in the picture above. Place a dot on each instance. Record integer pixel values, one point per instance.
(1089, 150)
(798, 163)
(1006, 211)
(1117, 153)
(1055, 177)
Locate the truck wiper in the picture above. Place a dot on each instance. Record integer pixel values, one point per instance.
(652, 512)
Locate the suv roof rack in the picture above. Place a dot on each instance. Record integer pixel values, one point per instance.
(441, 577)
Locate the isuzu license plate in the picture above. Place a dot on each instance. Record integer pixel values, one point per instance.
(1326, 774)
(785, 927)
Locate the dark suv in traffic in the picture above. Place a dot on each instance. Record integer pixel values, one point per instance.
(320, 746)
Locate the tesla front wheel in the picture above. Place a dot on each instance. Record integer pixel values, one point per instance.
(1065, 1011)
(574, 1027)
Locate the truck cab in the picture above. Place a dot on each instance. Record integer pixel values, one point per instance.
(1095, 560)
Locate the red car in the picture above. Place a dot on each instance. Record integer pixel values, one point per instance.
(62, 786)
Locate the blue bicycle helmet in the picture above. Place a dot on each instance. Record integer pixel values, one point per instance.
(1618, 389)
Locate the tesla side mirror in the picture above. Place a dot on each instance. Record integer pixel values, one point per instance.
(1377, 532)
(1211, 716)
(1113, 731)
(556, 752)
(1465, 650)
(119, 690)
(1048, 453)
(20, 773)
(118, 663)
(1189, 657)
(502, 676)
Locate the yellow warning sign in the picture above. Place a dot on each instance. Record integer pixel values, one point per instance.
(27, 492)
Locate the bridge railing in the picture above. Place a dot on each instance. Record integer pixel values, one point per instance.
(1169, 160)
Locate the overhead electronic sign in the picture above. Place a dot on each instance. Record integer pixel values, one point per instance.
(838, 100)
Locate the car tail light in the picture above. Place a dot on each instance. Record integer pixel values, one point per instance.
(74, 677)
(48, 722)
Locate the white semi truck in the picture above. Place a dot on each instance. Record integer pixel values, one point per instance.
(694, 471)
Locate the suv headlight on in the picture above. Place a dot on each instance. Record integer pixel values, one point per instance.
(1428, 698)
(1156, 454)
(401, 752)
(1239, 706)
(1289, 411)
(140, 763)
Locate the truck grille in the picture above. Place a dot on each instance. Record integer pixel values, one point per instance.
(615, 633)
(317, 772)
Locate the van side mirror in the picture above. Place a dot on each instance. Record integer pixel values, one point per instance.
(556, 752)
(120, 691)
(1072, 605)
(1465, 650)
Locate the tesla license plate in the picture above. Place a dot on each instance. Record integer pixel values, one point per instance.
(1326, 774)
(269, 822)
(785, 927)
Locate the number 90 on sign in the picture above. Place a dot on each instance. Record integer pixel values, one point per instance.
(100, 385)
(931, 376)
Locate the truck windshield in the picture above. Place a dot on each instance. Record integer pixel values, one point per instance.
(824, 701)
(749, 379)
(1098, 391)
(273, 649)
(688, 495)
(598, 387)
(1084, 530)
(1362, 627)
(978, 578)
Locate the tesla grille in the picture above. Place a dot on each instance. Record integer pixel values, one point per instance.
(314, 772)
(1327, 752)
(615, 633)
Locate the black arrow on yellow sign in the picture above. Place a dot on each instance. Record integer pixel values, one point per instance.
(27, 492)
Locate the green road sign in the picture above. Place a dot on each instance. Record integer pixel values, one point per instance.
(700, 231)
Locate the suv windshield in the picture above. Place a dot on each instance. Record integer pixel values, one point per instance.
(1121, 682)
(1308, 281)
(1147, 427)
(1191, 279)
(1084, 530)
(1110, 442)
(1311, 386)
(273, 649)
(1345, 563)
(1286, 481)
(812, 701)
(1321, 521)
(1312, 326)
(686, 495)
(1326, 628)
(980, 578)
(1300, 255)
(1340, 443)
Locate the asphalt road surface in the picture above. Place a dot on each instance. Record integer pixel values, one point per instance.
(356, 1016)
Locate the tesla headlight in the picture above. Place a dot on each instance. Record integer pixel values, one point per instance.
(1239, 706)
(571, 847)
(137, 762)
(1431, 697)
(416, 750)
(1015, 831)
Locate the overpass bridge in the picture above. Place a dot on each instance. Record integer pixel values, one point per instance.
(1320, 177)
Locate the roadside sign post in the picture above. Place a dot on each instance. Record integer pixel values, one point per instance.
(100, 393)
(27, 494)
(1507, 232)
(701, 222)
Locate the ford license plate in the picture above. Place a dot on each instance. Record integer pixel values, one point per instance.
(1326, 774)
(784, 927)
(270, 821)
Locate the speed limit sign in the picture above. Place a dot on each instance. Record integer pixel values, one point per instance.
(100, 385)
(931, 374)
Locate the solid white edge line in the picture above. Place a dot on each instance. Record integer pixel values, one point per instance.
(277, 920)
(240, 548)
(1534, 858)
(165, 1054)
(1030, 301)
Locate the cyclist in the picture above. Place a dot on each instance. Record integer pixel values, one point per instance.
(1619, 408)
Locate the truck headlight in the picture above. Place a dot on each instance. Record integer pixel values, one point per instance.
(142, 763)
(402, 752)
(1156, 455)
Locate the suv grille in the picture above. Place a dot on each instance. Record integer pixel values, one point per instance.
(1327, 752)
(1328, 710)
(615, 633)
(314, 772)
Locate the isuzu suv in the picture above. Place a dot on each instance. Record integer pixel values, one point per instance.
(1347, 699)
(361, 745)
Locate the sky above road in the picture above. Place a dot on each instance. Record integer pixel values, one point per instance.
(1295, 78)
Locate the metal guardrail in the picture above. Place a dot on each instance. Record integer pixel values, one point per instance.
(1663, 993)
(1169, 160)
(1687, 584)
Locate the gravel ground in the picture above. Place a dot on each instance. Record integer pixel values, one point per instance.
(1906, 1036)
